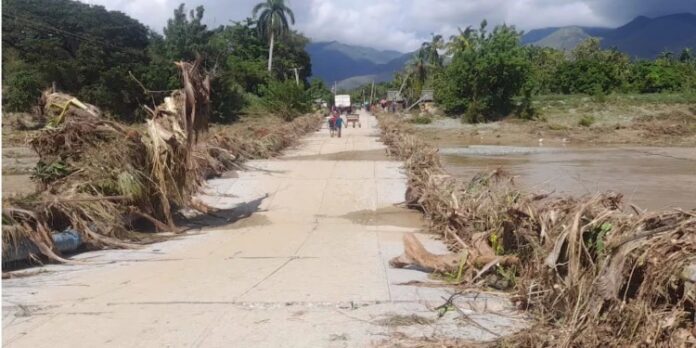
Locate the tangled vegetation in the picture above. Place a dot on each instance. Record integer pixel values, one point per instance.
(591, 273)
(101, 177)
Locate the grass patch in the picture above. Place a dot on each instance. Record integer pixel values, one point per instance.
(421, 120)
(580, 100)
(587, 121)
(557, 127)
(397, 320)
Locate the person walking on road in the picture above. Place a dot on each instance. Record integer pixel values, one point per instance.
(338, 124)
(332, 124)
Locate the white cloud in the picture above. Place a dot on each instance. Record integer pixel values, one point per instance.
(403, 24)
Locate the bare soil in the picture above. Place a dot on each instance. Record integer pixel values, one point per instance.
(642, 124)
(18, 161)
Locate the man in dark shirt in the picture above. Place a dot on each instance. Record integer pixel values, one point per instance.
(338, 124)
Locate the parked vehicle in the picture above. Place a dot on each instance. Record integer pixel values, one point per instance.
(342, 103)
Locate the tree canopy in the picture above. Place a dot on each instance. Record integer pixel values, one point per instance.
(111, 60)
(485, 74)
(85, 49)
(273, 22)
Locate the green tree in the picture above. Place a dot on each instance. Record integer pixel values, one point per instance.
(592, 70)
(185, 38)
(273, 21)
(244, 57)
(430, 50)
(686, 55)
(285, 99)
(460, 41)
(419, 71)
(86, 50)
(291, 54)
(661, 75)
(545, 63)
(318, 90)
(484, 77)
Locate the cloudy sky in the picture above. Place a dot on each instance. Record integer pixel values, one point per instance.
(403, 24)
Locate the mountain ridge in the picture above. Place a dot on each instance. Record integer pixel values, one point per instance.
(643, 37)
(350, 66)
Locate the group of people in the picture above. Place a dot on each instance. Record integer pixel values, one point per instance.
(335, 123)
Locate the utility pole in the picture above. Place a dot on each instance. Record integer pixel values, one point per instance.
(297, 75)
(372, 92)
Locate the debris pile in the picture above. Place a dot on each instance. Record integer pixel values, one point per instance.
(591, 272)
(99, 177)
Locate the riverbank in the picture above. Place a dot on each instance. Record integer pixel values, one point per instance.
(561, 255)
(641, 146)
(655, 120)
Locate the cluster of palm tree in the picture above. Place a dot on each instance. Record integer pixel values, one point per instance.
(429, 59)
(273, 18)
(421, 69)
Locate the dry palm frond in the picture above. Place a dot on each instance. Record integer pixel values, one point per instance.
(102, 174)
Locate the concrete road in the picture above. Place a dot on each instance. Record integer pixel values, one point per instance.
(305, 266)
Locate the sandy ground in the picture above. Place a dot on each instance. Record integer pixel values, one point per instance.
(308, 267)
(653, 125)
(17, 164)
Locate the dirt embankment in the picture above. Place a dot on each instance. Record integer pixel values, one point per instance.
(586, 124)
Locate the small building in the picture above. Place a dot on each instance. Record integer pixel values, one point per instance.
(395, 97)
(427, 95)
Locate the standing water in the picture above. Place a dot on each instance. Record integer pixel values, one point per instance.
(655, 178)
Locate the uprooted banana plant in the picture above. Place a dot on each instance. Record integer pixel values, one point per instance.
(113, 175)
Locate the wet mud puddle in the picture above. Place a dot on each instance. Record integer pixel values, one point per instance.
(653, 178)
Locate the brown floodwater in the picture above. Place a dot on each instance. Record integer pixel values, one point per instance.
(654, 178)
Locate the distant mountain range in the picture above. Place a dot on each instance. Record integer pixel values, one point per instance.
(643, 37)
(352, 66)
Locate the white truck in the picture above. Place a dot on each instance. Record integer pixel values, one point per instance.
(342, 103)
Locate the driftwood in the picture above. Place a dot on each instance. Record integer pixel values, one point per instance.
(415, 254)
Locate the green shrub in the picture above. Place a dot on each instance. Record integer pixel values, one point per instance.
(526, 109)
(22, 90)
(421, 120)
(587, 121)
(285, 99)
(598, 95)
(557, 127)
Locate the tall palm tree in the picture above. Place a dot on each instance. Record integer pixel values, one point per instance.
(272, 16)
(461, 41)
(431, 50)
